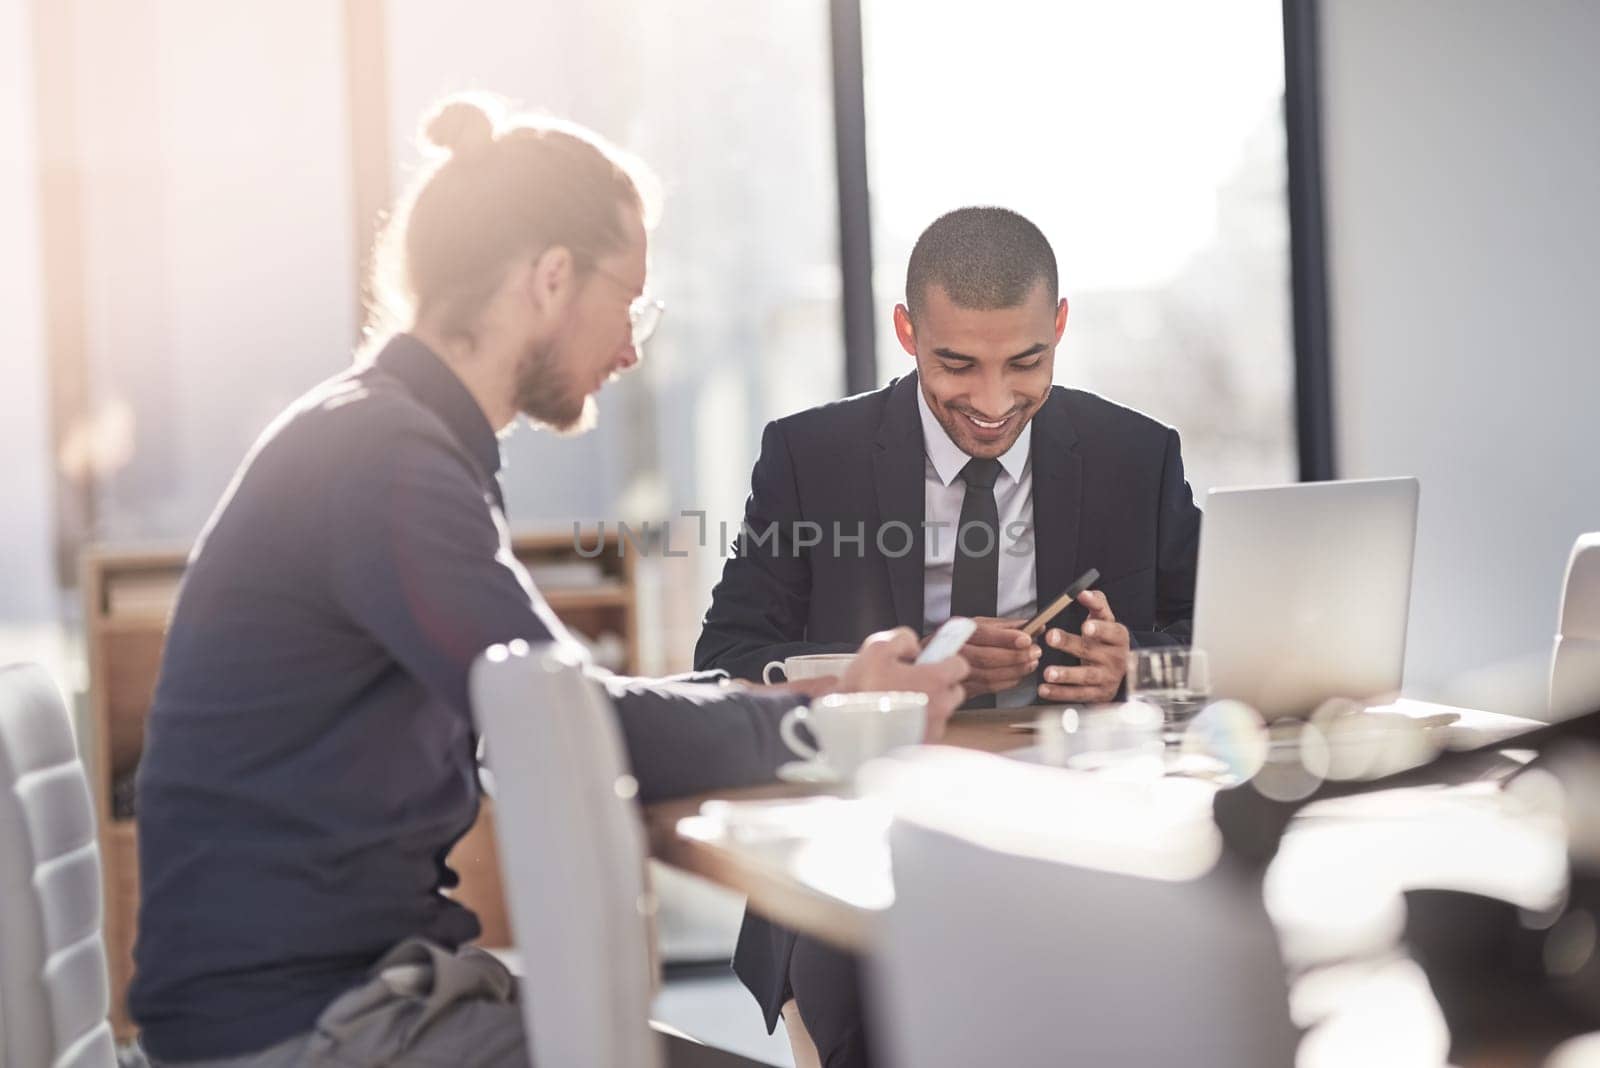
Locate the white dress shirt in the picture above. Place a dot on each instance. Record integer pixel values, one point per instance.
(943, 492)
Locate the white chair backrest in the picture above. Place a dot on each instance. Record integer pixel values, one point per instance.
(572, 855)
(54, 992)
(999, 951)
(1575, 662)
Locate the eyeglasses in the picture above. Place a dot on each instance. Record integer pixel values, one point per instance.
(644, 313)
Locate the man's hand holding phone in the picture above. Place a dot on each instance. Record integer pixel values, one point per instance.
(1102, 650)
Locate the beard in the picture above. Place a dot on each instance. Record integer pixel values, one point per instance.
(546, 396)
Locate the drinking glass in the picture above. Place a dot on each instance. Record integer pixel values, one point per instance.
(1174, 679)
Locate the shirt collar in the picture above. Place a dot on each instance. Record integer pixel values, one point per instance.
(437, 388)
(947, 457)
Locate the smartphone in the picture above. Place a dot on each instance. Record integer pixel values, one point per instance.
(1059, 605)
(947, 640)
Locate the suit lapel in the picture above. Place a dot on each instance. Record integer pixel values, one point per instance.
(1057, 498)
(898, 471)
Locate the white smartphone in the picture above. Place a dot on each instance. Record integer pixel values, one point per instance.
(947, 640)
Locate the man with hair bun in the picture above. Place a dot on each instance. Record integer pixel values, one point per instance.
(972, 487)
(310, 757)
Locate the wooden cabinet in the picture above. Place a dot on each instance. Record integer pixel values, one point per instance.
(129, 596)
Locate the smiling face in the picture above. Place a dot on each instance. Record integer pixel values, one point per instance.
(984, 371)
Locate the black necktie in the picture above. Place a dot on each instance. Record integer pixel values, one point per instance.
(975, 581)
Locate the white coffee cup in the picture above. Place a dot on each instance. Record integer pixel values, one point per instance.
(852, 728)
(810, 666)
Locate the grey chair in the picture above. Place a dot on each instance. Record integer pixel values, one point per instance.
(1575, 661)
(1044, 918)
(572, 854)
(54, 991)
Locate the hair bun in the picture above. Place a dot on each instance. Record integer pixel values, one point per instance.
(460, 124)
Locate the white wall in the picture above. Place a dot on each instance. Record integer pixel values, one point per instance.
(219, 268)
(1462, 144)
(27, 588)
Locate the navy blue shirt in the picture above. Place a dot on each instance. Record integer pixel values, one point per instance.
(310, 758)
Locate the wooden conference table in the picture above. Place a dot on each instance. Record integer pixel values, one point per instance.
(823, 874)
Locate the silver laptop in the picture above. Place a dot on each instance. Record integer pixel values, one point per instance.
(1304, 591)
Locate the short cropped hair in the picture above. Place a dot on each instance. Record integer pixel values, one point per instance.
(983, 257)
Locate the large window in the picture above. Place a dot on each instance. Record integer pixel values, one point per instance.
(1146, 139)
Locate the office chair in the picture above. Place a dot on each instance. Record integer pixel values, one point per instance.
(1060, 934)
(1575, 661)
(54, 989)
(572, 853)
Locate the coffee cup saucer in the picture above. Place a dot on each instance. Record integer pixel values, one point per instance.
(809, 771)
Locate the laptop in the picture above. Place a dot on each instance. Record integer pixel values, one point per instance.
(1304, 592)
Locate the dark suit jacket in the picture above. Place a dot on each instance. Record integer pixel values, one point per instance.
(1108, 493)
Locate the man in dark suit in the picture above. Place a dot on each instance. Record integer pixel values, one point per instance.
(971, 487)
